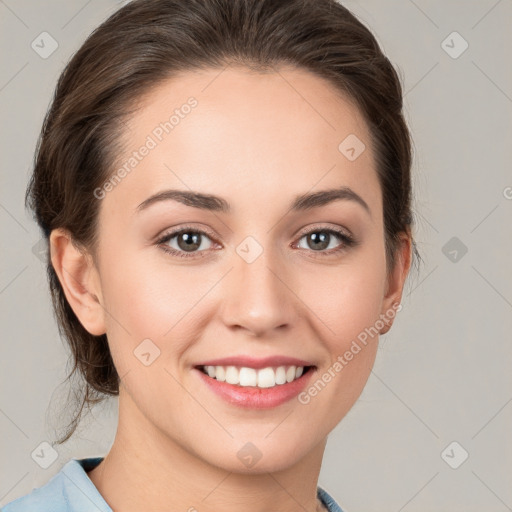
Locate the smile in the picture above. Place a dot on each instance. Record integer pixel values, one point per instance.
(252, 388)
(263, 378)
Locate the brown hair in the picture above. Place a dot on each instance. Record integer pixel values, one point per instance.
(148, 41)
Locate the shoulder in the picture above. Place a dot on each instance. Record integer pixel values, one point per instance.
(48, 498)
(328, 500)
(69, 490)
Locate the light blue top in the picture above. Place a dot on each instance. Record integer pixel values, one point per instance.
(71, 490)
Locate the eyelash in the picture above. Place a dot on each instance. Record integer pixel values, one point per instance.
(347, 241)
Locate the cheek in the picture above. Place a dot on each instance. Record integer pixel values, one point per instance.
(347, 298)
(347, 307)
(148, 299)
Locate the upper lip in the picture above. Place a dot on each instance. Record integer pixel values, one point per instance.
(251, 362)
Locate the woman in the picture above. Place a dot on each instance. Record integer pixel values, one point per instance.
(225, 189)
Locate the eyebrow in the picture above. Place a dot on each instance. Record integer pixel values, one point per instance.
(213, 203)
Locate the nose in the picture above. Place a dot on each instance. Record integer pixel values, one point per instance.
(257, 297)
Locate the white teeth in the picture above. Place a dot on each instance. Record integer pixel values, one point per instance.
(281, 375)
(232, 375)
(263, 378)
(248, 377)
(290, 374)
(266, 378)
(220, 373)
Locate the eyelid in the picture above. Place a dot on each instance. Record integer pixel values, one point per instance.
(323, 227)
(211, 234)
(346, 238)
(185, 227)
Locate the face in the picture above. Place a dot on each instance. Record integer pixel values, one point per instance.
(262, 271)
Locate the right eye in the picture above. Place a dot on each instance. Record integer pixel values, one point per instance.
(185, 242)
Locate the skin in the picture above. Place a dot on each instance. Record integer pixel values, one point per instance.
(257, 140)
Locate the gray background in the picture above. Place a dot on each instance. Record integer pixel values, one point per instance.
(442, 373)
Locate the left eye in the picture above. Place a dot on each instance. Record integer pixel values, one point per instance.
(319, 240)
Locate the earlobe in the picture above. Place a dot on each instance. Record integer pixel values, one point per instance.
(79, 280)
(395, 284)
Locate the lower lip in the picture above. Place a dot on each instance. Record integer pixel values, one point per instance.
(252, 397)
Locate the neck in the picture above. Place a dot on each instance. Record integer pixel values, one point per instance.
(148, 470)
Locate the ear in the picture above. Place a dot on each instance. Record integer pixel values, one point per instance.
(395, 282)
(79, 279)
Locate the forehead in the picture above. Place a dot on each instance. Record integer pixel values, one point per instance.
(229, 130)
